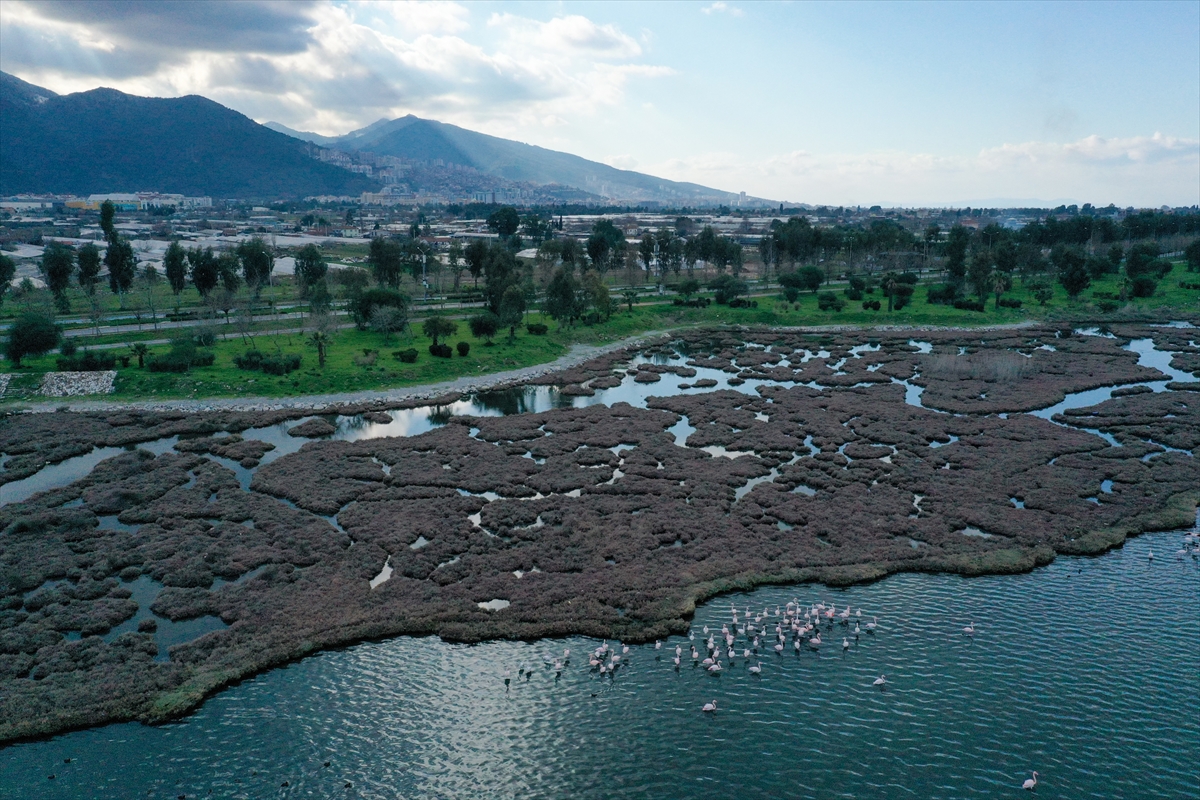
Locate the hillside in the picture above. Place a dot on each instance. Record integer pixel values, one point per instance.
(417, 139)
(104, 140)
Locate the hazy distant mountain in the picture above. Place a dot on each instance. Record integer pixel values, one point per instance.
(107, 141)
(419, 139)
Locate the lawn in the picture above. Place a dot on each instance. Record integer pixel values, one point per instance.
(363, 360)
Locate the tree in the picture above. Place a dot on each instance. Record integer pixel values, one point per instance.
(385, 258)
(631, 296)
(1072, 269)
(807, 278)
(598, 252)
(122, 267)
(31, 334)
(504, 221)
(175, 265)
(767, 252)
(310, 268)
(728, 288)
(562, 297)
(227, 269)
(321, 329)
(646, 249)
(688, 287)
(484, 326)
(257, 263)
(476, 256)
(388, 320)
(203, 267)
(980, 273)
(512, 309)
(1192, 254)
(58, 265)
(454, 257)
(956, 254)
(1001, 282)
(8, 271)
(1143, 260)
(108, 213)
(888, 283)
(364, 305)
(1042, 293)
(597, 294)
(140, 351)
(605, 245)
(437, 327)
(150, 285)
(88, 258)
(500, 269)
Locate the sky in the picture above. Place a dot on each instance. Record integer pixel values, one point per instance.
(911, 104)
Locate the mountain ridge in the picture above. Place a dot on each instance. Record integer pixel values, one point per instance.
(418, 139)
(104, 140)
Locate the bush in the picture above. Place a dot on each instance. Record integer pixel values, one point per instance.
(281, 364)
(941, 295)
(828, 301)
(205, 337)
(1009, 302)
(740, 302)
(1143, 286)
(69, 347)
(369, 300)
(727, 288)
(791, 294)
(441, 350)
(250, 360)
(963, 304)
(854, 294)
(536, 328)
(1186, 285)
(87, 362)
(32, 334)
(1108, 306)
(408, 356)
(272, 365)
(902, 295)
(907, 277)
(483, 326)
(872, 305)
(463, 348)
(695, 302)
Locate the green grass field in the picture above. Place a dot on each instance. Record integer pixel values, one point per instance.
(348, 368)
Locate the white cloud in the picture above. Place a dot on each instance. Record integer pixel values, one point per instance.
(332, 68)
(722, 8)
(1140, 170)
(621, 161)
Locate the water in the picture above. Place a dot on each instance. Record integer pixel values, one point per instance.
(1083, 670)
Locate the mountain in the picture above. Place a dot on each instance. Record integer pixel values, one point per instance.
(107, 141)
(415, 139)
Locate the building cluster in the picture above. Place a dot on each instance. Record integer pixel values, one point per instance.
(124, 201)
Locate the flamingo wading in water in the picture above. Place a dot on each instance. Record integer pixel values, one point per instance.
(1030, 784)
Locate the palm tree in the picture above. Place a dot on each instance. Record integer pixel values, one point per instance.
(1001, 282)
(889, 284)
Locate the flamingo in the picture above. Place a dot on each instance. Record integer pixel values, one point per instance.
(676, 662)
(1030, 784)
(856, 631)
(845, 644)
(1151, 558)
(969, 630)
(815, 641)
(567, 654)
(657, 644)
(779, 648)
(756, 669)
(872, 625)
(678, 650)
(709, 708)
(715, 668)
(625, 650)
(881, 682)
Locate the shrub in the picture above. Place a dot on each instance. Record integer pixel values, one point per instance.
(872, 305)
(483, 326)
(537, 328)
(1186, 285)
(441, 350)
(727, 288)
(964, 304)
(250, 360)
(408, 356)
(791, 294)
(205, 337)
(828, 301)
(369, 300)
(1108, 306)
(907, 277)
(32, 334)
(463, 348)
(1143, 286)
(69, 347)
(281, 364)
(741, 302)
(901, 295)
(854, 294)
(1009, 302)
(941, 295)
(87, 362)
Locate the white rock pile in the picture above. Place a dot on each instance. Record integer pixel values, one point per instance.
(72, 384)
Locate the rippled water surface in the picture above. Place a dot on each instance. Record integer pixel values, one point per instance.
(1084, 670)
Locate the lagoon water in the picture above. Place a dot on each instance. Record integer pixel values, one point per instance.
(1084, 670)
